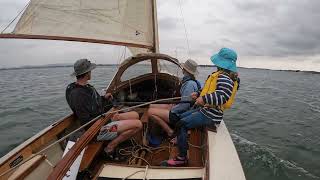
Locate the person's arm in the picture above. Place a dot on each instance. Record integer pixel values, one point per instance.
(187, 89)
(222, 93)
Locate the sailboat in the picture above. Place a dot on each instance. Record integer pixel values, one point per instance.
(145, 76)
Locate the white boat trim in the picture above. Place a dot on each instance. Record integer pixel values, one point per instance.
(223, 157)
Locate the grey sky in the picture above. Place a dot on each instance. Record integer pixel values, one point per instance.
(278, 34)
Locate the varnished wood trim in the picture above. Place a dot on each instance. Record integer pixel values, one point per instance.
(61, 38)
(91, 151)
(64, 164)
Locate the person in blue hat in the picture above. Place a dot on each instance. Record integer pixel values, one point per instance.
(216, 96)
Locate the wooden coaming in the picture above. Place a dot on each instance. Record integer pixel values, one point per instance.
(64, 164)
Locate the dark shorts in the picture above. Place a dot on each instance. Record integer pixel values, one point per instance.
(173, 119)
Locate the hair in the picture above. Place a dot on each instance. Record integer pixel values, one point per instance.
(82, 75)
(191, 75)
(232, 75)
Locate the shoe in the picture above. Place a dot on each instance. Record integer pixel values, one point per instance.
(114, 155)
(175, 162)
(109, 155)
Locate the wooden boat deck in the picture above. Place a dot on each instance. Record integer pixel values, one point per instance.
(110, 171)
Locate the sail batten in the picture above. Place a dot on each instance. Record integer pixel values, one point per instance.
(127, 22)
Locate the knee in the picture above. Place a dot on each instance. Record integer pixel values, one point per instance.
(135, 115)
(181, 124)
(139, 125)
(150, 111)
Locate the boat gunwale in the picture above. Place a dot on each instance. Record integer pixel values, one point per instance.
(31, 140)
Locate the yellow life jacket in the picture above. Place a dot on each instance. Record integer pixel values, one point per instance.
(211, 85)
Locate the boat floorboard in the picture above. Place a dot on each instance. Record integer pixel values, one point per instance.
(116, 171)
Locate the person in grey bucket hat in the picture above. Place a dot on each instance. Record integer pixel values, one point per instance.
(82, 66)
(86, 104)
(168, 118)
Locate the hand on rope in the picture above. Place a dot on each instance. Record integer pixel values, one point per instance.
(108, 96)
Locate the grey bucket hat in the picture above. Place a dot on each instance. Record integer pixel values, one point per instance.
(82, 66)
(190, 66)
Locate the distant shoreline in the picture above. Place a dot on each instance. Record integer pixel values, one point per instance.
(48, 66)
(106, 65)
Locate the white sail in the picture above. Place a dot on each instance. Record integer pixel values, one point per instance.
(123, 21)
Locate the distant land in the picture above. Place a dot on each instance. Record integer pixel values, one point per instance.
(48, 66)
(202, 65)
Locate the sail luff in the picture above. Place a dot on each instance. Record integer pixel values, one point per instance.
(119, 22)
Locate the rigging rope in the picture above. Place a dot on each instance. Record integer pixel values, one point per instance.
(185, 28)
(85, 125)
(144, 176)
(24, 8)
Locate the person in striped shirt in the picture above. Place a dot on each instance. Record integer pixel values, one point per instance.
(217, 95)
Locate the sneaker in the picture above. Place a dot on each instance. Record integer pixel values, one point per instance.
(176, 162)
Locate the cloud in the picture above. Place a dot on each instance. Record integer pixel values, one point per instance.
(168, 23)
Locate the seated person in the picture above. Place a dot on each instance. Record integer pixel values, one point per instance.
(217, 95)
(87, 104)
(165, 117)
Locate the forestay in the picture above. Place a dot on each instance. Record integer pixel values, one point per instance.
(122, 21)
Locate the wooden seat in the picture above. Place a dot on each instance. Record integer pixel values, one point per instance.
(91, 151)
(195, 152)
(26, 168)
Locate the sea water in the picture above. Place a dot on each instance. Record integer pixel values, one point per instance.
(274, 122)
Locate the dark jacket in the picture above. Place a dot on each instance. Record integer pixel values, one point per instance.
(85, 102)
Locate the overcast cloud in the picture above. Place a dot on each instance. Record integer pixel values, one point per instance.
(277, 34)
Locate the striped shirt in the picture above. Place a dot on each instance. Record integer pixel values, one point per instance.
(219, 97)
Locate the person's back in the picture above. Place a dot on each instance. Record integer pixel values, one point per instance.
(84, 101)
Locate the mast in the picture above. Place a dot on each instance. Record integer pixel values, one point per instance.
(155, 27)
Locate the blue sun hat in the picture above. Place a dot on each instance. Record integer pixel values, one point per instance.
(226, 59)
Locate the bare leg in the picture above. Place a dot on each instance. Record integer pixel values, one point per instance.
(126, 129)
(125, 116)
(159, 106)
(161, 117)
(162, 106)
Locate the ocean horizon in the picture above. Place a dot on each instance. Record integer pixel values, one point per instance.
(200, 65)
